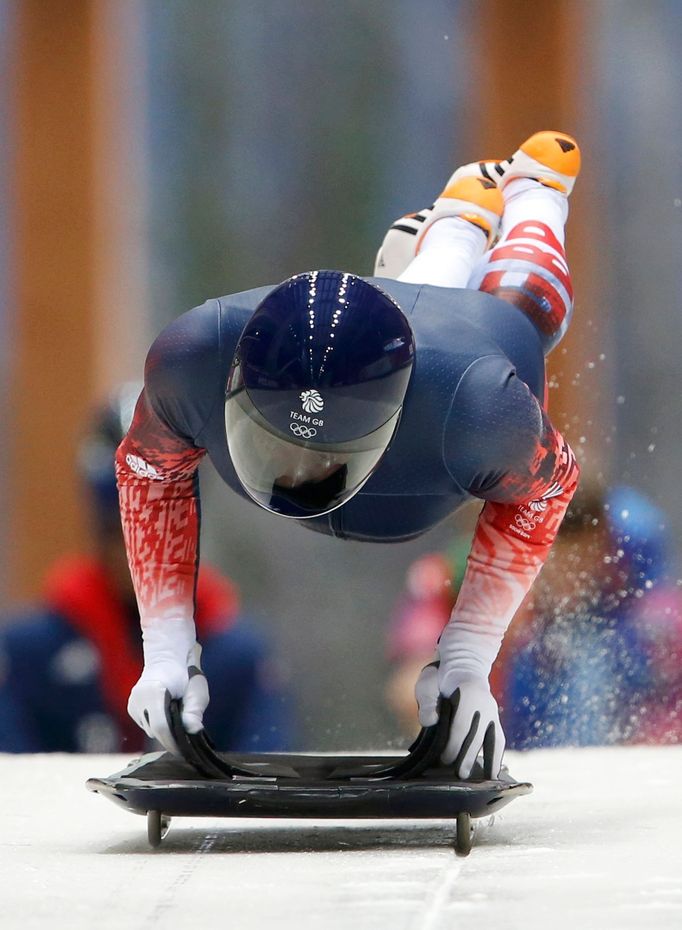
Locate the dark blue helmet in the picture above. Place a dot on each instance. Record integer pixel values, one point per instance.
(315, 392)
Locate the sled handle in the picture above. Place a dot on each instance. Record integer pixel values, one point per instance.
(423, 754)
(199, 750)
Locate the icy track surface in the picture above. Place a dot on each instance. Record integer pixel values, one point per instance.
(597, 846)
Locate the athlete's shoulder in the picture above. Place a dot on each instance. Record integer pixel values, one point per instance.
(185, 342)
(494, 425)
(196, 337)
(188, 363)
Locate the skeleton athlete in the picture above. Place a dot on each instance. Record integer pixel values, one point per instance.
(371, 409)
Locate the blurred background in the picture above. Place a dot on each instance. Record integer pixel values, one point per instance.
(155, 153)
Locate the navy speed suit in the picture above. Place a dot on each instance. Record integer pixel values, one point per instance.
(473, 425)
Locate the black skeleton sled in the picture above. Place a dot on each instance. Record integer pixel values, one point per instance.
(206, 783)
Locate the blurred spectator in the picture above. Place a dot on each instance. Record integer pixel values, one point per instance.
(591, 671)
(595, 659)
(655, 617)
(658, 718)
(67, 665)
(431, 587)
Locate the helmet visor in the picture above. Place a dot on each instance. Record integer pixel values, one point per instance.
(292, 475)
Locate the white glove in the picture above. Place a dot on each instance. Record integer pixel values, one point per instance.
(476, 721)
(167, 675)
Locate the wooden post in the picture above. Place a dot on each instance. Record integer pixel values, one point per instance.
(534, 71)
(80, 315)
(54, 285)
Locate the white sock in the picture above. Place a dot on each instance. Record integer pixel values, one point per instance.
(526, 199)
(449, 252)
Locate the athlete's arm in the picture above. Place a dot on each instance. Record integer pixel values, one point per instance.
(514, 459)
(513, 537)
(156, 470)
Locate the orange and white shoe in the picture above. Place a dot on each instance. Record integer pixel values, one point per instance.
(472, 198)
(467, 195)
(552, 158)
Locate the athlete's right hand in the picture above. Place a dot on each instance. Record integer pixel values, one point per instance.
(162, 680)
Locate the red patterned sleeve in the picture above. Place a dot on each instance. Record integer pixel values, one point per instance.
(156, 472)
(512, 540)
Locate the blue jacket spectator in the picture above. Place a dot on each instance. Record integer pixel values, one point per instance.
(68, 665)
(66, 669)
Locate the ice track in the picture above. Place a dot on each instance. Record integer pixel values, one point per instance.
(598, 845)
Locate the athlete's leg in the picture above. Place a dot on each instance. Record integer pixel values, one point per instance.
(442, 244)
(528, 267)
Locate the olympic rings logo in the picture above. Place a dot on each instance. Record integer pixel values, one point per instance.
(525, 525)
(305, 432)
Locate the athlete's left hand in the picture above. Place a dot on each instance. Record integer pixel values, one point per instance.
(476, 721)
